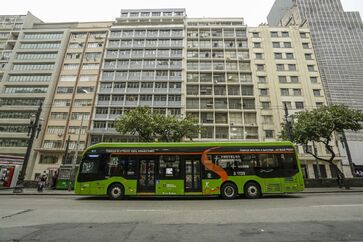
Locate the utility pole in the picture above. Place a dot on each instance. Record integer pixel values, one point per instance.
(74, 161)
(65, 157)
(344, 141)
(287, 122)
(34, 129)
(316, 161)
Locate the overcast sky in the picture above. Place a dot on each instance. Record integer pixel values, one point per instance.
(253, 11)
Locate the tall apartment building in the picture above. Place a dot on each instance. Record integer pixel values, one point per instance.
(10, 26)
(29, 80)
(219, 87)
(143, 66)
(232, 78)
(72, 104)
(337, 37)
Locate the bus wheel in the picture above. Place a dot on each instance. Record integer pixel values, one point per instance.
(252, 190)
(116, 192)
(229, 191)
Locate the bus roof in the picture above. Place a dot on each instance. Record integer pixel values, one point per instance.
(186, 144)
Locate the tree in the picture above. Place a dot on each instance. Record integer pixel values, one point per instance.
(319, 126)
(172, 129)
(137, 121)
(150, 126)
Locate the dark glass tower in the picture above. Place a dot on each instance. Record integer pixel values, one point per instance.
(337, 37)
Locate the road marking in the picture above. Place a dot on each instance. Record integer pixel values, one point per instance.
(338, 205)
(147, 210)
(18, 213)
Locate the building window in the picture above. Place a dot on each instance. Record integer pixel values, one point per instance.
(278, 56)
(314, 79)
(319, 104)
(255, 34)
(260, 67)
(297, 92)
(311, 68)
(317, 92)
(294, 79)
(274, 34)
(265, 105)
(262, 79)
(299, 105)
(305, 45)
(282, 79)
(287, 104)
(256, 44)
(280, 67)
(285, 34)
(291, 67)
(48, 159)
(269, 134)
(284, 91)
(263, 91)
(259, 56)
(276, 44)
(303, 35)
(289, 56)
(287, 45)
(308, 57)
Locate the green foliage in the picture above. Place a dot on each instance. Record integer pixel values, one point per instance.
(153, 126)
(137, 121)
(320, 124)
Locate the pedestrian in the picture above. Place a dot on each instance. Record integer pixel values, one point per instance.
(42, 181)
(54, 180)
(340, 180)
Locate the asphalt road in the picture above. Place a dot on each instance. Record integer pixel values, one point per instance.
(303, 217)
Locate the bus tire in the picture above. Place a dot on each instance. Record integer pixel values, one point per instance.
(252, 190)
(229, 190)
(116, 191)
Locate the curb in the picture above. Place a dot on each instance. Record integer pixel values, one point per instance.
(73, 194)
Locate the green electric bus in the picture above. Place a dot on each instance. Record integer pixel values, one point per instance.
(227, 169)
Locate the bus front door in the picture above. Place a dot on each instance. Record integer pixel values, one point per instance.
(193, 175)
(146, 178)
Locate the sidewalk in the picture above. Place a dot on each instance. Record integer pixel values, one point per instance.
(331, 189)
(32, 191)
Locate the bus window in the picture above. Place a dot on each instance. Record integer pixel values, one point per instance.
(93, 167)
(169, 166)
(90, 166)
(269, 161)
(116, 166)
(287, 161)
(131, 167)
(124, 166)
(208, 174)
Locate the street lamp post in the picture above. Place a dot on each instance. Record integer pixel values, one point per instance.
(343, 140)
(34, 129)
(288, 121)
(74, 160)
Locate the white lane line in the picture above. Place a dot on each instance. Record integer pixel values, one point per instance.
(337, 205)
(147, 210)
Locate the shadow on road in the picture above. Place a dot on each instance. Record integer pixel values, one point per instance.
(187, 198)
